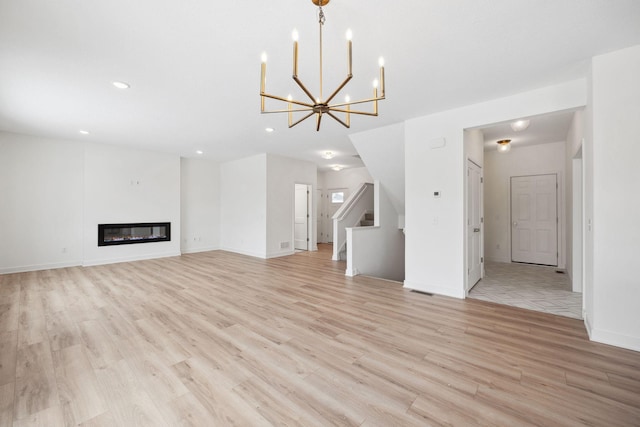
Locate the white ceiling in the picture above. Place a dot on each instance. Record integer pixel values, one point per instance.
(194, 66)
(542, 130)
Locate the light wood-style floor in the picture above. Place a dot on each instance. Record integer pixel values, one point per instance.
(216, 339)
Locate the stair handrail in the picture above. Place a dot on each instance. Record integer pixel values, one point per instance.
(342, 214)
(351, 200)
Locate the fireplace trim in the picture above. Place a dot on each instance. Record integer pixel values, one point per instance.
(103, 227)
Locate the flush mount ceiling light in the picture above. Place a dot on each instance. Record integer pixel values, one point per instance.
(269, 130)
(83, 132)
(121, 85)
(199, 152)
(519, 125)
(504, 146)
(337, 168)
(320, 105)
(328, 155)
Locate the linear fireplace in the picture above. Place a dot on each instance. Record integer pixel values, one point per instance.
(141, 232)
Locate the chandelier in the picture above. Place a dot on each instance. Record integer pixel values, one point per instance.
(319, 105)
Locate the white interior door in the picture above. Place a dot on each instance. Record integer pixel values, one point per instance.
(474, 224)
(301, 226)
(534, 219)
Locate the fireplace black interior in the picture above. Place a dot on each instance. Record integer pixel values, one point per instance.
(125, 234)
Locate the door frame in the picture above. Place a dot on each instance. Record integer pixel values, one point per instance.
(310, 217)
(469, 286)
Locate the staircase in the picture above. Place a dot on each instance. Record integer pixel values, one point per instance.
(367, 220)
(352, 213)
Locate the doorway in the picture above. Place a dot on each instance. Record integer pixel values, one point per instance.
(528, 195)
(301, 226)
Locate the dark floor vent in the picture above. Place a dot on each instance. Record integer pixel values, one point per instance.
(560, 271)
(422, 292)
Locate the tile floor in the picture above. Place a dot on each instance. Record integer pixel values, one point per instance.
(528, 286)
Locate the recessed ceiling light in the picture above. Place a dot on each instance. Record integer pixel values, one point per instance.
(328, 155)
(337, 168)
(199, 152)
(269, 130)
(519, 125)
(84, 132)
(121, 85)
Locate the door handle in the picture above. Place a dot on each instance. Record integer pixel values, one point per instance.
(515, 224)
(476, 230)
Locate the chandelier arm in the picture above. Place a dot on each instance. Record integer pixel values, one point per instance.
(297, 110)
(279, 98)
(362, 113)
(318, 119)
(303, 87)
(337, 119)
(344, 83)
(302, 119)
(361, 101)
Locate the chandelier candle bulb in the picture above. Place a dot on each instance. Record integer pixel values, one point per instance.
(263, 79)
(294, 35)
(350, 51)
(381, 63)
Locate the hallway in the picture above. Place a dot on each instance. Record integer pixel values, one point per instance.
(528, 286)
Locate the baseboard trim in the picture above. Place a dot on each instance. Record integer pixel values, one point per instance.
(242, 252)
(615, 339)
(91, 263)
(434, 289)
(280, 254)
(196, 250)
(39, 267)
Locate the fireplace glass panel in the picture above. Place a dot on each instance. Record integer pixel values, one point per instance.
(120, 234)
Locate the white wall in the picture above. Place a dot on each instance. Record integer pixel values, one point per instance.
(350, 178)
(243, 203)
(199, 205)
(435, 244)
(499, 168)
(282, 175)
(382, 151)
(41, 203)
(55, 193)
(122, 185)
(615, 315)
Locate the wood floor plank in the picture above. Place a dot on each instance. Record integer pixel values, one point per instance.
(36, 388)
(216, 338)
(224, 406)
(8, 355)
(78, 388)
(50, 417)
(6, 404)
(10, 309)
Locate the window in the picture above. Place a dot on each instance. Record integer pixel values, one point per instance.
(337, 196)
